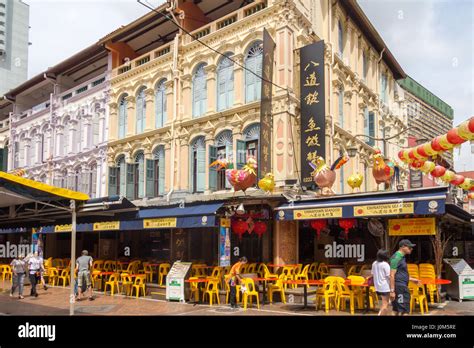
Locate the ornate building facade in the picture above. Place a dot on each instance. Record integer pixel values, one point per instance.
(58, 126)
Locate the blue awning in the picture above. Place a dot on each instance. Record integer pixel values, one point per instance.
(201, 209)
(414, 202)
(14, 230)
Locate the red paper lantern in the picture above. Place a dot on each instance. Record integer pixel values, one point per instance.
(421, 151)
(417, 164)
(470, 125)
(458, 180)
(411, 155)
(260, 228)
(347, 224)
(239, 227)
(436, 145)
(453, 137)
(318, 225)
(438, 171)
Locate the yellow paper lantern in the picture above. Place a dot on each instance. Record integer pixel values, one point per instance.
(443, 141)
(464, 132)
(429, 150)
(448, 176)
(467, 184)
(427, 167)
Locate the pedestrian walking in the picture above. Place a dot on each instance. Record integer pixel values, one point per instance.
(234, 280)
(18, 269)
(34, 269)
(381, 279)
(42, 271)
(399, 278)
(83, 267)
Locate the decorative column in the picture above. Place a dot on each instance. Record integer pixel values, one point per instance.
(211, 88)
(87, 129)
(283, 73)
(239, 85)
(102, 129)
(26, 152)
(169, 95)
(168, 158)
(113, 122)
(131, 116)
(150, 109)
(209, 140)
(38, 149)
(347, 42)
(185, 112)
(285, 242)
(72, 136)
(348, 120)
(183, 183)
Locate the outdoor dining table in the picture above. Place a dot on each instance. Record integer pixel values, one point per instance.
(305, 288)
(436, 281)
(264, 280)
(367, 290)
(199, 280)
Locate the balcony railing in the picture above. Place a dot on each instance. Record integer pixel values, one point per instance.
(143, 59)
(82, 88)
(223, 22)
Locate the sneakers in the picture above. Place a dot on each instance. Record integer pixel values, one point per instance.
(45, 287)
(11, 294)
(20, 297)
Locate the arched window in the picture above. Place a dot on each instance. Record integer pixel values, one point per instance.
(156, 173)
(141, 110)
(139, 176)
(341, 107)
(199, 91)
(92, 180)
(198, 165)
(117, 177)
(160, 104)
(253, 62)
(66, 135)
(340, 38)
(122, 115)
(225, 83)
(249, 145)
(222, 150)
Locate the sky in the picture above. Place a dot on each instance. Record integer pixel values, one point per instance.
(433, 40)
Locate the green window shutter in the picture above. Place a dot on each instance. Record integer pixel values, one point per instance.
(2, 154)
(201, 169)
(371, 142)
(241, 154)
(5, 159)
(229, 154)
(161, 172)
(150, 178)
(130, 190)
(213, 170)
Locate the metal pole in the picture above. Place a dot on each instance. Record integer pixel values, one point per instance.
(72, 297)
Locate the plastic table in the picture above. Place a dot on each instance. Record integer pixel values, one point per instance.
(305, 288)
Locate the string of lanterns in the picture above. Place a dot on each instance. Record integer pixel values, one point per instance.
(417, 157)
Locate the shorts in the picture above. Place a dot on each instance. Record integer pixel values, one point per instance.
(84, 274)
(383, 294)
(401, 303)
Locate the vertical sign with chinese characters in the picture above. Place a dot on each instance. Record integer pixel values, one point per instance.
(313, 114)
(265, 165)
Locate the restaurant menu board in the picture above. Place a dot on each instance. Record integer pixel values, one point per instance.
(175, 281)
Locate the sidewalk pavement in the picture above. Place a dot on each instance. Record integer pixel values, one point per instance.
(55, 301)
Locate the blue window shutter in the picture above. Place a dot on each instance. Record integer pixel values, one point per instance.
(150, 178)
(212, 170)
(241, 154)
(112, 181)
(122, 117)
(201, 169)
(130, 194)
(371, 128)
(161, 171)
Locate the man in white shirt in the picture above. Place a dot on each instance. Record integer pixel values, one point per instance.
(35, 266)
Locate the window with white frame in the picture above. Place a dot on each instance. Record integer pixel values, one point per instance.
(222, 150)
(200, 91)
(225, 83)
(197, 165)
(141, 110)
(122, 116)
(253, 72)
(160, 104)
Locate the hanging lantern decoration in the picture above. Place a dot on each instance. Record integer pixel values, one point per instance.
(347, 224)
(428, 167)
(464, 130)
(448, 176)
(467, 184)
(470, 195)
(260, 227)
(458, 180)
(239, 227)
(318, 225)
(438, 171)
(453, 137)
(429, 149)
(250, 225)
(421, 151)
(417, 165)
(445, 144)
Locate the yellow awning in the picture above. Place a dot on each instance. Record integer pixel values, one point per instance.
(6, 181)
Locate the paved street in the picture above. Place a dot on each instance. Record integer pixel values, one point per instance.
(54, 301)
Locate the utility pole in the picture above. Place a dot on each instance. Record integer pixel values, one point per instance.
(72, 296)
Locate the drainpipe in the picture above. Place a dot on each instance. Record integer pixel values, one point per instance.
(175, 103)
(331, 142)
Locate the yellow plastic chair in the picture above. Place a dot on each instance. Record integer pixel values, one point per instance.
(98, 265)
(212, 289)
(64, 277)
(109, 266)
(7, 273)
(313, 271)
(298, 268)
(344, 293)
(358, 290)
(194, 289)
(53, 275)
(252, 268)
(243, 268)
(328, 293)
(323, 271)
(418, 296)
(250, 293)
(267, 274)
(277, 287)
(353, 270)
(303, 275)
(48, 262)
(147, 271)
(112, 283)
(126, 284)
(163, 271)
(289, 273)
(139, 286)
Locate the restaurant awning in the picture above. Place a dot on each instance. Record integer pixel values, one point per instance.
(188, 216)
(427, 201)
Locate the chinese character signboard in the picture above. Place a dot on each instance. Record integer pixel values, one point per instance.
(159, 223)
(384, 209)
(318, 213)
(265, 165)
(411, 227)
(313, 114)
